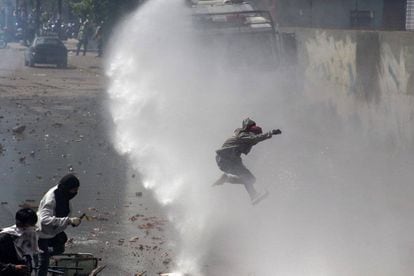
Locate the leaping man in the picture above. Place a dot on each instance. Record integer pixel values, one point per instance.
(229, 159)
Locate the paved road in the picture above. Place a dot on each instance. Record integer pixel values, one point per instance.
(68, 130)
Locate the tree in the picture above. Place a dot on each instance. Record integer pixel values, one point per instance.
(105, 13)
(108, 11)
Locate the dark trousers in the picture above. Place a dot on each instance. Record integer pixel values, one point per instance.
(50, 247)
(84, 43)
(100, 47)
(237, 173)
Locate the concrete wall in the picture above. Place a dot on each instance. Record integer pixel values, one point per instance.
(366, 76)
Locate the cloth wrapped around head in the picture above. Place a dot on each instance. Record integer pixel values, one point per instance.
(64, 193)
(249, 125)
(68, 183)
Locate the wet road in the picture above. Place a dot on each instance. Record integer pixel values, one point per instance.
(67, 129)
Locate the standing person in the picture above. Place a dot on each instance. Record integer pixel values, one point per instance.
(83, 37)
(98, 36)
(18, 244)
(54, 211)
(229, 160)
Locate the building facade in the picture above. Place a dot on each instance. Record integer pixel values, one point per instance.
(343, 14)
(409, 23)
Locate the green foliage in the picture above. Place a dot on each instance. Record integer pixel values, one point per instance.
(82, 8)
(102, 10)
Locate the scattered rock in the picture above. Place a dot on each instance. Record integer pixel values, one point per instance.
(57, 125)
(134, 239)
(19, 129)
(99, 218)
(134, 218)
(166, 261)
(138, 194)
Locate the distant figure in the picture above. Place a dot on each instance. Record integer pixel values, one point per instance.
(30, 33)
(54, 211)
(3, 40)
(83, 37)
(98, 36)
(229, 160)
(18, 245)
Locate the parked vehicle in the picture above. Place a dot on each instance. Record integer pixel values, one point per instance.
(47, 50)
(207, 2)
(243, 36)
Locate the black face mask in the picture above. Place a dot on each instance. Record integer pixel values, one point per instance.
(71, 195)
(63, 195)
(62, 202)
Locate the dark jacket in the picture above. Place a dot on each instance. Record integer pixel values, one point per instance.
(8, 256)
(242, 141)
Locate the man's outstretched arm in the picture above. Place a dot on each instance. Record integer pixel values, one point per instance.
(254, 139)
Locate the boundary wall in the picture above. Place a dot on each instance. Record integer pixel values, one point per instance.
(366, 76)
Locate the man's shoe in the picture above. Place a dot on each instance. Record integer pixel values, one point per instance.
(220, 181)
(259, 197)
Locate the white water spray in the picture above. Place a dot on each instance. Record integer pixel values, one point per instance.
(171, 114)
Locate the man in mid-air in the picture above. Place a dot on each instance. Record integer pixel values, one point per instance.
(229, 160)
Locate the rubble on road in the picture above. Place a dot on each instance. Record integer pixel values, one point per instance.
(19, 129)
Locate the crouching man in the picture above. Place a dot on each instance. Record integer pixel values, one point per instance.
(54, 217)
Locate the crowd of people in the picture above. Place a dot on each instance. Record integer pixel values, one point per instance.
(23, 28)
(86, 33)
(26, 246)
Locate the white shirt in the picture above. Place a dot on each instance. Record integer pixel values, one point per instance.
(48, 224)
